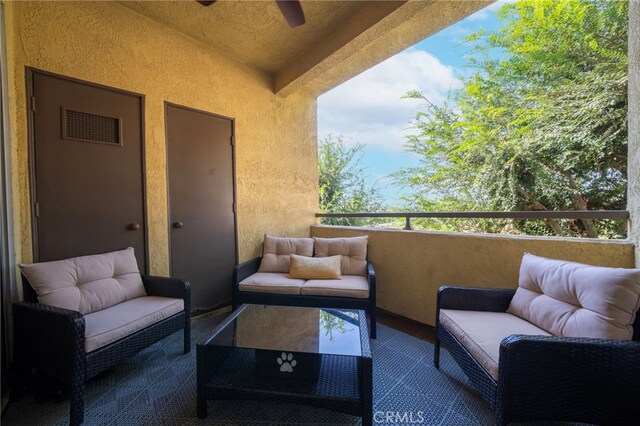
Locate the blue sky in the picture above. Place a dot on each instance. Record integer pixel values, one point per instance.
(367, 109)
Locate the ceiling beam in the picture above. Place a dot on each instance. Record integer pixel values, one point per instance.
(375, 32)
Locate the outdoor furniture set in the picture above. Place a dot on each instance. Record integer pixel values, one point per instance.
(563, 346)
(83, 315)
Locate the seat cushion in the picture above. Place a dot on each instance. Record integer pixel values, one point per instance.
(348, 286)
(317, 268)
(571, 299)
(481, 333)
(271, 282)
(277, 250)
(111, 324)
(88, 283)
(353, 251)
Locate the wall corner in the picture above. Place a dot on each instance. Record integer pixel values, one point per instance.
(633, 167)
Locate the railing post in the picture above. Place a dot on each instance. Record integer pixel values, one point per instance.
(407, 226)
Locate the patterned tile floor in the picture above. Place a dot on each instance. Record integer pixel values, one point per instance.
(158, 387)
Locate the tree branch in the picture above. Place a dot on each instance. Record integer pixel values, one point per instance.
(579, 203)
(535, 204)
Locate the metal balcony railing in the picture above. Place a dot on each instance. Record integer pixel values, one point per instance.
(538, 214)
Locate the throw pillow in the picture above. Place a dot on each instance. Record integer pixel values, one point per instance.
(315, 268)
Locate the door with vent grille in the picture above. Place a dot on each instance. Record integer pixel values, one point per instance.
(87, 169)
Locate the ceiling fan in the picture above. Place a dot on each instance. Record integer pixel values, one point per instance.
(290, 9)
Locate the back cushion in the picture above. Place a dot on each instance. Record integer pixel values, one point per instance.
(88, 283)
(575, 300)
(353, 251)
(277, 250)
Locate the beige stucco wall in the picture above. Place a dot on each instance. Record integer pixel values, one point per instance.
(106, 43)
(412, 265)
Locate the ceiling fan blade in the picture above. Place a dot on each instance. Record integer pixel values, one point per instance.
(292, 12)
(206, 3)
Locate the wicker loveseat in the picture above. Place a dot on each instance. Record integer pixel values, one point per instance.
(266, 279)
(83, 315)
(565, 371)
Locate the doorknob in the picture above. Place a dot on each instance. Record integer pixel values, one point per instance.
(134, 227)
(178, 224)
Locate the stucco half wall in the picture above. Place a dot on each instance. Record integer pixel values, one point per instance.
(412, 265)
(109, 44)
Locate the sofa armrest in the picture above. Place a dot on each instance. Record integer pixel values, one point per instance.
(167, 287)
(371, 277)
(48, 336)
(474, 299)
(578, 379)
(245, 270)
(371, 272)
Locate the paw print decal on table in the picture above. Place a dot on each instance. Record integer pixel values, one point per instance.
(286, 362)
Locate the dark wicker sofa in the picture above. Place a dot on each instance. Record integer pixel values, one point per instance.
(547, 378)
(251, 267)
(51, 339)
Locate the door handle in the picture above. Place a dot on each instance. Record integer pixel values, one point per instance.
(133, 227)
(178, 224)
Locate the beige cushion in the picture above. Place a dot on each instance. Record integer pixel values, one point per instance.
(353, 251)
(481, 333)
(348, 286)
(318, 268)
(88, 283)
(271, 282)
(276, 252)
(114, 323)
(575, 300)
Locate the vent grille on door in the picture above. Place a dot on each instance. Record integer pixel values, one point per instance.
(91, 128)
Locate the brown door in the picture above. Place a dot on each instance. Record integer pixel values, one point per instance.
(202, 223)
(87, 169)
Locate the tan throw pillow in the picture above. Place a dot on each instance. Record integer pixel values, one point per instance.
(353, 251)
(87, 284)
(315, 268)
(572, 299)
(276, 252)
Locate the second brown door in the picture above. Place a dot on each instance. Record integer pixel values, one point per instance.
(202, 227)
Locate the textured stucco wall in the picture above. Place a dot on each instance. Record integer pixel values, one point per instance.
(412, 265)
(633, 194)
(107, 43)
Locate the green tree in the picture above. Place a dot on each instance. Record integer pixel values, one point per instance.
(540, 126)
(342, 185)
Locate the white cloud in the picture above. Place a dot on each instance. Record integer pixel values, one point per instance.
(367, 109)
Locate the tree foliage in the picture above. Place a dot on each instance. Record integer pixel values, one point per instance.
(540, 126)
(342, 185)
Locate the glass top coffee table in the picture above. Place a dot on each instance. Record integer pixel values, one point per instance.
(311, 356)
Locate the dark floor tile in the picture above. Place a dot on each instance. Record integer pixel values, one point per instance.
(158, 387)
(393, 363)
